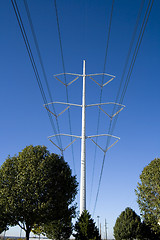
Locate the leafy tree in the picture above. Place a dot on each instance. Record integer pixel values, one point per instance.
(148, 192)
(57, 230)
(4, 220)
(37, 187)
(147, 233)
(85, 228)
(127, 226)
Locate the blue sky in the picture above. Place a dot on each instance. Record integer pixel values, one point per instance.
(84, 28)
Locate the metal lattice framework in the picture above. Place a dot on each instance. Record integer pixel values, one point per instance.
(83, 137)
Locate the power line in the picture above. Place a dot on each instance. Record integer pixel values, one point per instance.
(149, 7)
(143, 27)
(124, 70)
(63, 65)
(109, 31)
(129, 52)
(137, 48)
(41, 62)
(125, 67)
(23, 32)
(126, 64)
(104, 68)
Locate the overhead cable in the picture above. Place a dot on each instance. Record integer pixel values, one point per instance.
(143, 27)
(42, 65)
(147, 14)
(104, 69)
(24, 35)
(129, 52)
(63, 65)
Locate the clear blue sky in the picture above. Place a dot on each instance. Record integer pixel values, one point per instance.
(84, 28)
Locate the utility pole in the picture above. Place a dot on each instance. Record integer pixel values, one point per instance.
(83, 137)
(106, 228)
(83, 146)
(98, 223)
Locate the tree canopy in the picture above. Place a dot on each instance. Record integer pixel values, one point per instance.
(58, 230)
(4, 219)
(127, 226)
(147, 233)
(148, 192)
(37, 187)
(85, 228)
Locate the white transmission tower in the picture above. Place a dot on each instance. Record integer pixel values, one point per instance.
(83, 137)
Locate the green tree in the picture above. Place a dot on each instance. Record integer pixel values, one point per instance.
(59, 230)
(4, 220)
(38, 188)
(148, 192)
(147, 233)
(85, 228)
(127, 226)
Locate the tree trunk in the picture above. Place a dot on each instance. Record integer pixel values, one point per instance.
(27, 234)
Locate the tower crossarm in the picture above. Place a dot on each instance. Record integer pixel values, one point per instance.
(63, 134)
(63, 103)
(102, 135)
(88, 75)
(98, 104)
(89, 105)
(121, 107)
(99, 74)
(70, 104)
(71, 74)
(79, 137)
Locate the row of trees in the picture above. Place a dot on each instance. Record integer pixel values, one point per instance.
(84, 229)
(37, 192)
(128, 225)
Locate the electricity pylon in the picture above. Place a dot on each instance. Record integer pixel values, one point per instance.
(83, 137)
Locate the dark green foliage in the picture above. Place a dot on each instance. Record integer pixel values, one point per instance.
(37, 188)
(4, 220)
(148, 192)
(147, 233)
(127, 226)
(85, 228)
(58, 230)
